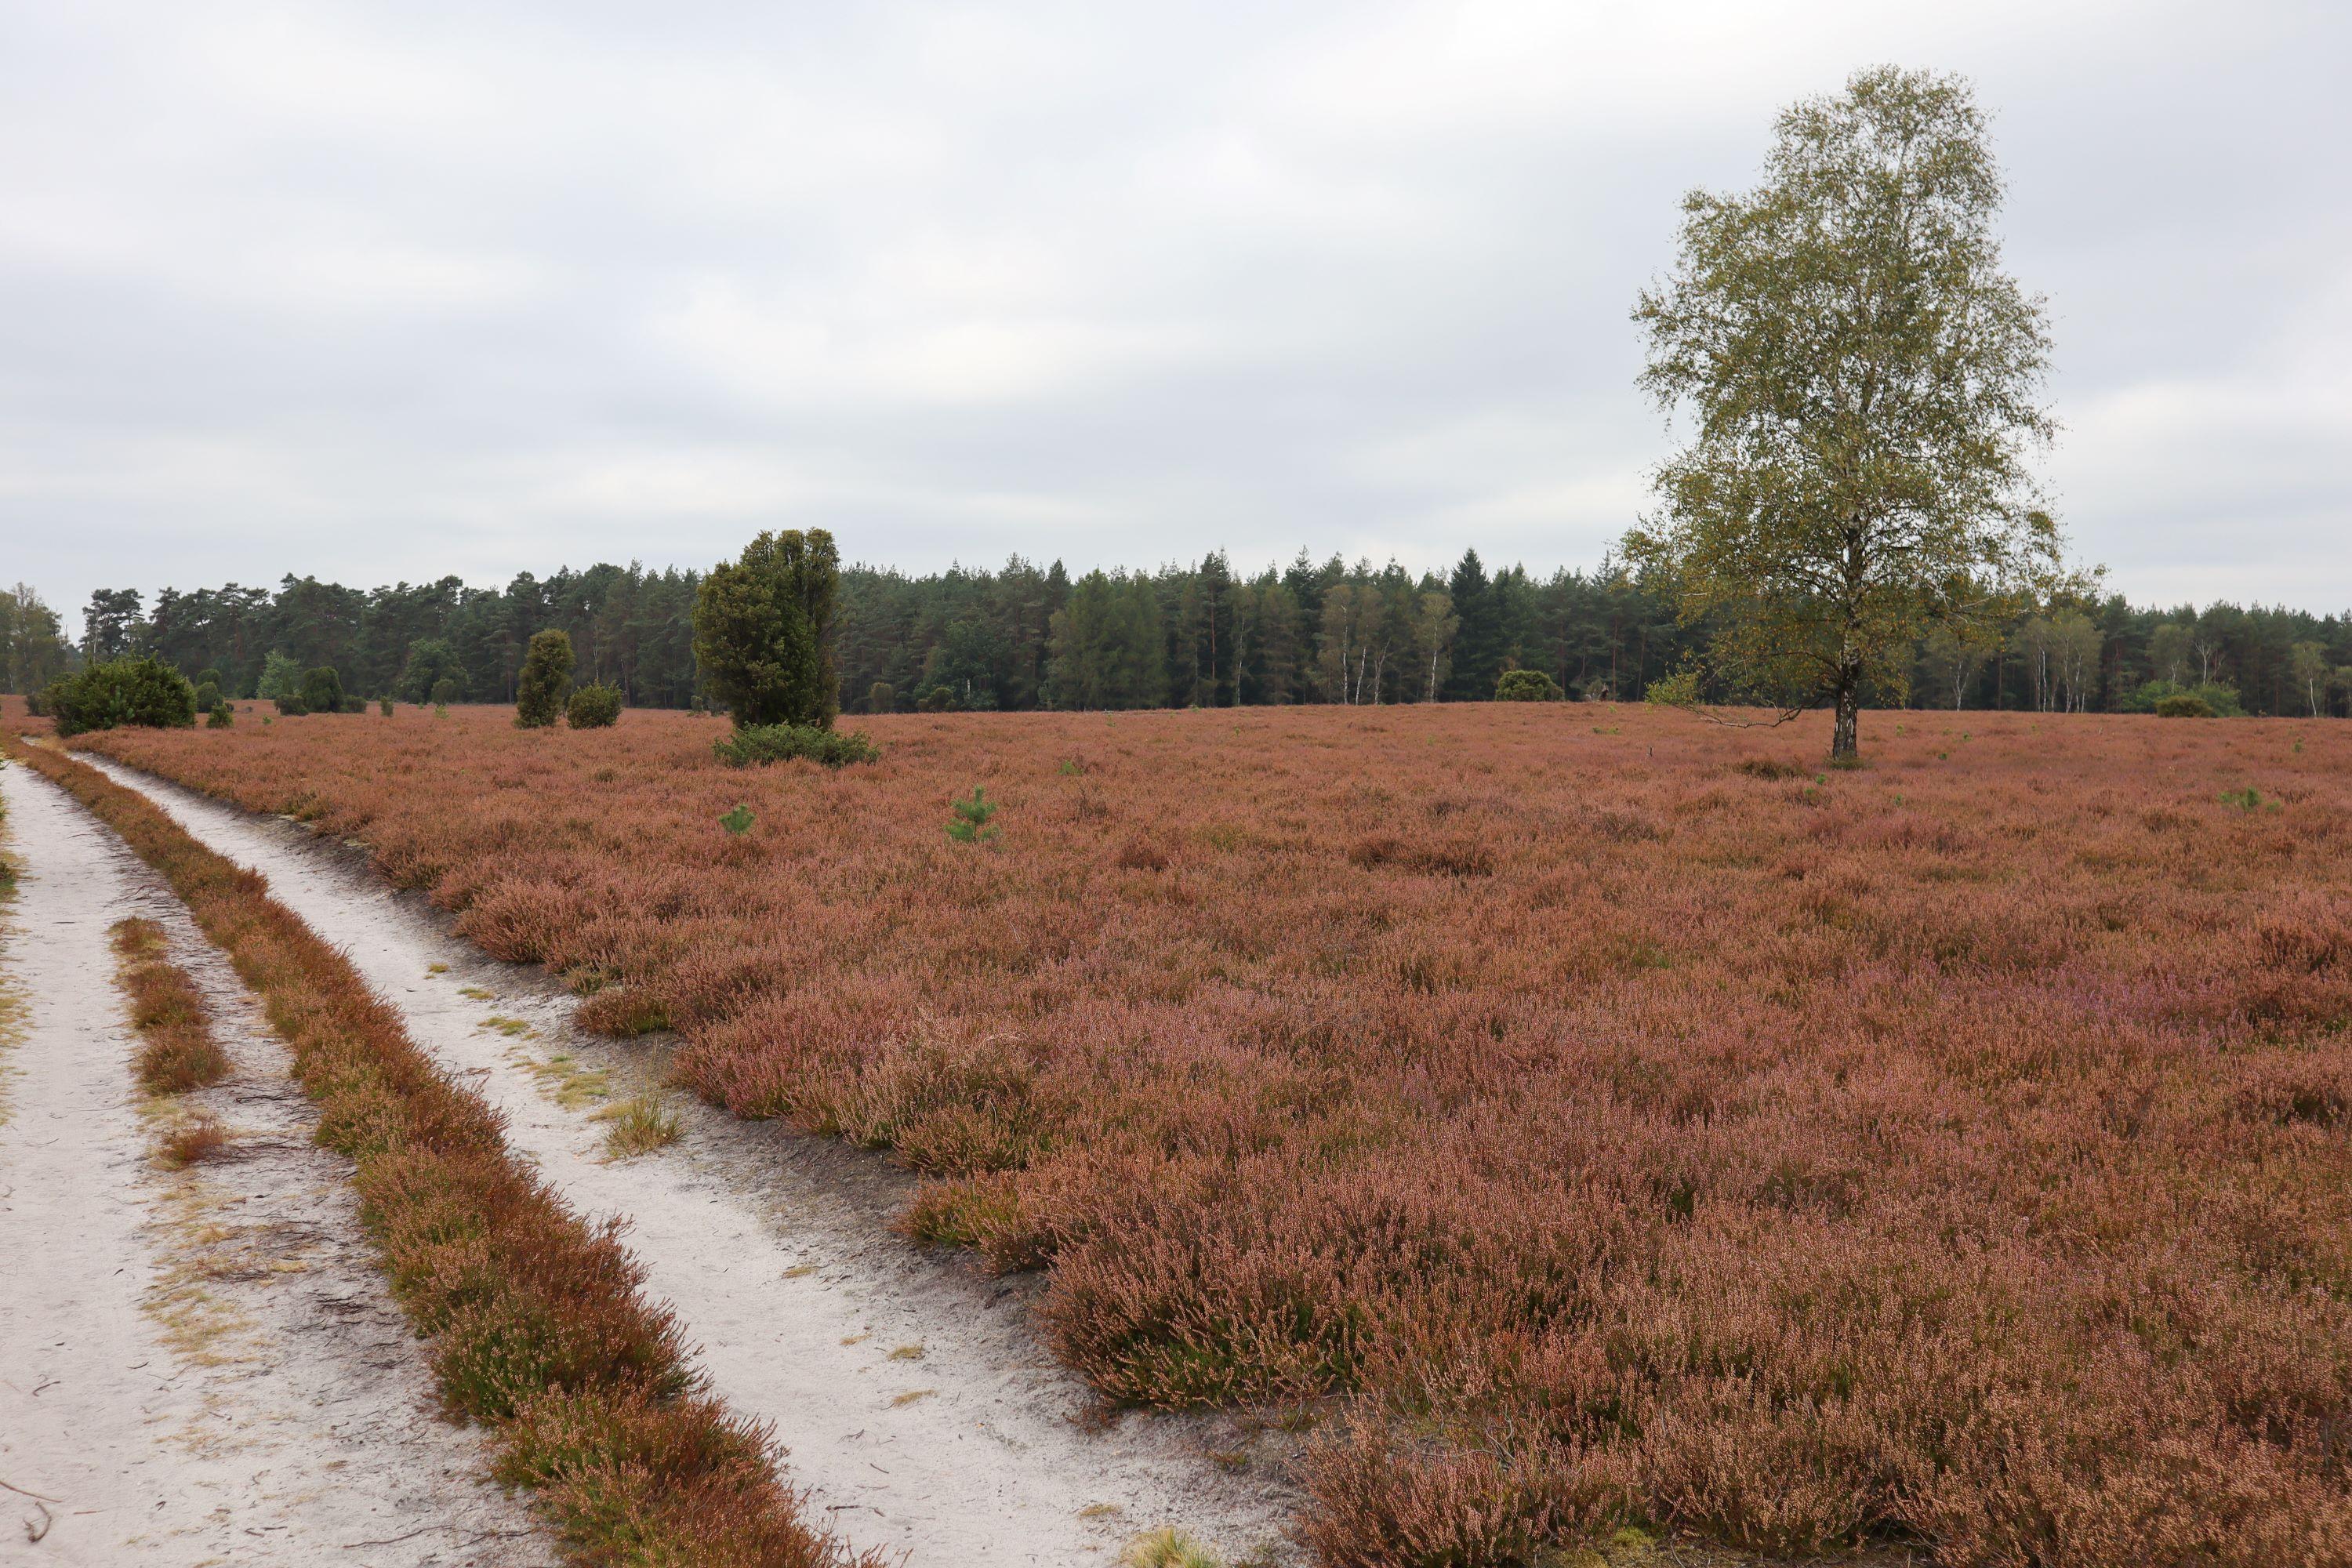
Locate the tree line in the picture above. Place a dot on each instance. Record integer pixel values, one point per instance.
(1023, 636)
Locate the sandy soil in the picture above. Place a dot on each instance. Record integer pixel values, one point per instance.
(917, 1404)
(196, 1367)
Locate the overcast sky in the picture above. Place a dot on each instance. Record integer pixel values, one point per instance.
(389, 291)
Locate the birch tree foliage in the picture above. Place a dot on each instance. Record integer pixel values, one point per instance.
(1861, 383)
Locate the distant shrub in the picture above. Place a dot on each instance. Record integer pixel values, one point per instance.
(594, 706)
(322, 689)
(2183, 705)
(1766, 768)
(1527, 686)
(444, 691)
(208, 677)
(208, 696)
(384, 706)
(138, 690)
(2150, 696)
(222, 717)
(280, 676)
(291, 706)
(431, 661)
(882, 697)
(938, 699)
(546, 672)
(762, 744)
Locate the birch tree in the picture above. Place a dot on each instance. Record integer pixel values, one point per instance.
(1862, 382)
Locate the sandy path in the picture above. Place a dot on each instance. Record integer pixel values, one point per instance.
(198, 1367)
(917, 1404)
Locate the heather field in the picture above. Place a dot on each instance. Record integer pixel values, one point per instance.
(1570, 1115)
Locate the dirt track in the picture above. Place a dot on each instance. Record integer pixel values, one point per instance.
(198, 1366)
(917, 1404)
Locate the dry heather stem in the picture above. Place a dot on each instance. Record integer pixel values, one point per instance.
(1951, 1151)
(536, 1326)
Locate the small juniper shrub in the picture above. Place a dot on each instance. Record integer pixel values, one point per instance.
(737, 821)
(546, 672)
(2183, 705)
(760, 744)
(384, 706)
(594, 706)
(208, 696)
(223, 716)
(882, 697)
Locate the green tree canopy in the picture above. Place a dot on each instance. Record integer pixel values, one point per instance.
(763, 630)
(1863, 380)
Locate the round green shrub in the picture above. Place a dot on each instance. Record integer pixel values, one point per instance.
(594, 706)
(208, 696)
(137, 690)
(2183, 705)
(1527, 686)
(222, 717)
(446, 691)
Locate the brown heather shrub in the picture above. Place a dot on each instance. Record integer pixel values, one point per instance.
(177, 1051)
(194, 1142)
(1951, 1152)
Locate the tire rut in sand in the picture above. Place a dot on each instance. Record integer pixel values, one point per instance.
(914, 1403)
(199, 1365)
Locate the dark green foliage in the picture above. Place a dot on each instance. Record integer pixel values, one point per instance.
(594, 706)
(2183, 705)
(1527, 686)
(763, 743)
(384, 706)
(291, 706)
(205, 677)
(971, 823)
(882, 697)
(322, 691)
(2221, 699)
(739, 821)
(546, 672)
(763, 630)
(431, 663)
(222, 717)
(446, 691)
(136, 691)
(208, 696)
(281, 676)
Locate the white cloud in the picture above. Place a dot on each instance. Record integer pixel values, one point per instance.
(378, 291)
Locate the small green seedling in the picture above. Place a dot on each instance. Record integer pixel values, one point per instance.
(970, 823)
(737, 821)
(2247, 799)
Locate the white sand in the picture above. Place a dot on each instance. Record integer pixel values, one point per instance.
(772, 1249)
(196, 1367)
